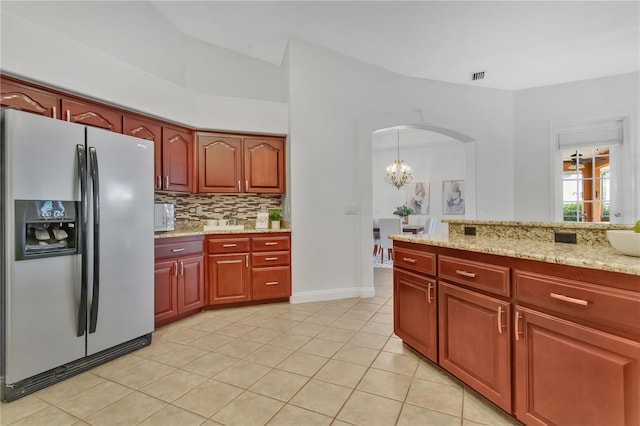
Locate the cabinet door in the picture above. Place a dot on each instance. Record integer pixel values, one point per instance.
(229, 278)
(569, 374)
(166, 279)
(177, 159)
(191, 284)
(147, 129)
(29, 99)
(264, 165)
(415, 313)
(475, 341)
(220, 163)
(92, 115)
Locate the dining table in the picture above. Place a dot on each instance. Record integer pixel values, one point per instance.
(413, 229)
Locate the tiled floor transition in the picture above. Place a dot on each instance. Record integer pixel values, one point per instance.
(325, 363)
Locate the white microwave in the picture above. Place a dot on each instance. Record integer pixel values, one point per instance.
(164, 217)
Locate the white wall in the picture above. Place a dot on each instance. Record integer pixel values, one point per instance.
(430, 163)
(132, 32)
(533, 110)
(330, 97)
(217, 71)
(65, 60)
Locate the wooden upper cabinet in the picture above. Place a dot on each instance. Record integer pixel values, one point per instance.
(264, 165)
(91, 114)
(29, 99)
(220, 163)
(150, 130)
(177, 159)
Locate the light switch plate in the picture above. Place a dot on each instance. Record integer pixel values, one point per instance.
(350, 209)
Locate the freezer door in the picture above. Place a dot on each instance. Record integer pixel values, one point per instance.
(121, 290)
(41, 295)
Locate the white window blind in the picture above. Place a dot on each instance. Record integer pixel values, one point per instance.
(605, 133)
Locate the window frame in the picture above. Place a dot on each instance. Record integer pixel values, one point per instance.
(623, 195)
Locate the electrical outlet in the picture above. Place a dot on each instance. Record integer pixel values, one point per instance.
(469, 230)
(199, 211)
(566, 237)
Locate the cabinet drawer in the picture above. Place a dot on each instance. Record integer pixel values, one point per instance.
(607, 306)
(484, 276)
(280, 258)
(177, 248)
(228, 245)
(270, 283)
(270, 243)
(414, 260)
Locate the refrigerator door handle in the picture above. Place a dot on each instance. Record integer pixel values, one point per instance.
(93, 166)
(82, 175)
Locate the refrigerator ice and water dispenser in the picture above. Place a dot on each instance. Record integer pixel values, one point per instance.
(46, 228)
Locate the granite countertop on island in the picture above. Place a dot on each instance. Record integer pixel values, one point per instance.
(595, 257)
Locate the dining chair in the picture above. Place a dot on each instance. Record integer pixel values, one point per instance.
(376, 236)
(388, 226)
(430, 225)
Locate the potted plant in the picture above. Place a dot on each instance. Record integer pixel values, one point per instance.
(275, 215)
(403, 212)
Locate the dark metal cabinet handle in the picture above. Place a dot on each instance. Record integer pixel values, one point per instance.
(95, 302)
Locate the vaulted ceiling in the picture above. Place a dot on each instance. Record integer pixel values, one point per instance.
(519, 44)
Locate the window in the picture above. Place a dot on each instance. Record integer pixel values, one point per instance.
(586, 185)
(593, 169)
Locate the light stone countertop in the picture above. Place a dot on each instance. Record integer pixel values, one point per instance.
(191, 228)
(170, 234)
(595, 257)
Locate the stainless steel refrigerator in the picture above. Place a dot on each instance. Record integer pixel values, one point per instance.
(77, 249)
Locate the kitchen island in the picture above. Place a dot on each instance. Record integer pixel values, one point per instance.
(549, 332)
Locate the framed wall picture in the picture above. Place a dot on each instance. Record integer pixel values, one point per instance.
(453, 197)
(417, 197)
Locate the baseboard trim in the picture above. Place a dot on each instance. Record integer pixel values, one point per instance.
(334, 294)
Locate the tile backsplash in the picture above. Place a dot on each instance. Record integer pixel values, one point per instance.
(217, 206)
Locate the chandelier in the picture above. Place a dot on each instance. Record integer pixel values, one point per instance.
(398, 173)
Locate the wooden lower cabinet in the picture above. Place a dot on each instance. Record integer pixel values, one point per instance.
(166, 296)
(179, 278)
(474, 341)
(570, 374)
(191, 284)
(179, 287)
(415, 312)
(229, 278)
(270, 283)
(248, 267)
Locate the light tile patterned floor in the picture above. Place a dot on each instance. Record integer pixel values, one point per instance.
(328, 363)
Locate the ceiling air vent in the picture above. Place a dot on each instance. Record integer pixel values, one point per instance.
(477, 76)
